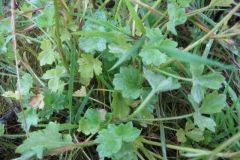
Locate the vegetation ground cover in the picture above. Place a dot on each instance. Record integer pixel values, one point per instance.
(119, 79)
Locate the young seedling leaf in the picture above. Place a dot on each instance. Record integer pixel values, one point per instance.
(213, 103)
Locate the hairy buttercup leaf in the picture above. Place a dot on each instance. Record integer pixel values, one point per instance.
(129, 82)
(201, 82)
(47, 55)
(53, 76)
(181, 135)
(197, 92)
(26, 82)
(152, 56)
(53, 103)
(212, 80)
(126, 132)
(120, 106)
(45, 18)
(176, 17)
(88, 67)
(130, 52)
(195, 134)
(160, 83)
(127, 152)
(213, 103)
(31, 118)
(111, 140)
(204, 122)
(91, 122)
(93, 43)
(44, 140)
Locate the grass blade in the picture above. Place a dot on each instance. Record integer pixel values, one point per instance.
(135, 17)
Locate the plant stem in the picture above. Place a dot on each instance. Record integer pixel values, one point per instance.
(166, 118)
(14, 41)
(225, 144)
(142, 105)
(59, 43)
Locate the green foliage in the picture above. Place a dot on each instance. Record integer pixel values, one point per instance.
(31, 118)
(113, 141)
(53, 76)
(221, 2)
(120, 106)
(53, 103)
(135, 65)
(40, 141)
(47, 55)
(204, 122)
(88, 67)
(213, 103)
(93, 120)
(153, 56)
(129, 82)
(45, 18)
(176, 17)
(160, 83)
(1, 129)
(95, 43)
(201, 82)
(26, 83)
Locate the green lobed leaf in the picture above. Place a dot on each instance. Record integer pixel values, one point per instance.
(44, 140)
(91, 122)
(94, 41)
(120, 106)
(127, 152)
(88, 66)
(211, 80)
(152, 57)
(176, 17)
(111, 140)
(159, 83)
(126, 132)
(47, 55)
(57, 72)
(213, 103)
(204, 122)
(53, 75)
(108, 142)
(26, 82)
(181, 135)
(195, 134)
(31, 118)
(53, 103)
(129, 82)
(45, 18)
(130, 52)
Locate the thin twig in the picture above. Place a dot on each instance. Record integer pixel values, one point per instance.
(16, 59)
